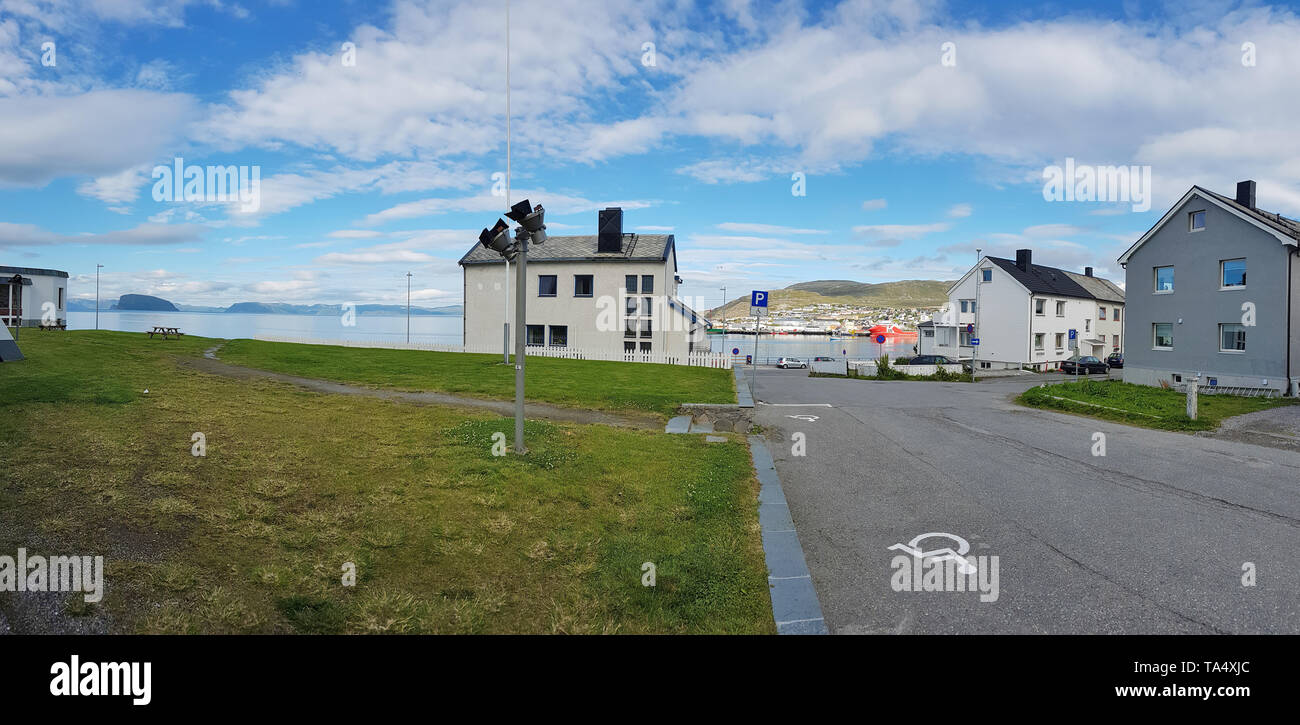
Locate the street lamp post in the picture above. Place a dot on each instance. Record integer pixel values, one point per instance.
(97, 268)
(408, 308)
(979, 282)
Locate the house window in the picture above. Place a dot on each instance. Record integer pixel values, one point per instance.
(629, 283)
(1103, 340)
(1115, 317)
(927, 333)
(645, 347)
(1115, 343)
(1163, 335)
(1232, 273)
(1232, 337)
(629, 328)
(546, 285)
(60, 298)
(631, 306)
(629, 347)
(1196, 221)
(645, 328)
(1164, 279)
(584, 285)
(963, 306)
(1060, 308)
(647, 284)
(1101, 313)
(646, 304)
(1038, 340)
(536, 334)
(965, 339)
(1087, 325)
(559, 335)
(1060, 341)
(987, 275)
(1039, 306)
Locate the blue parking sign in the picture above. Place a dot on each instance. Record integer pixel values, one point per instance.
(757, 299)
(1074, 334)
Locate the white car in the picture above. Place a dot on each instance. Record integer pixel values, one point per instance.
(790, 362)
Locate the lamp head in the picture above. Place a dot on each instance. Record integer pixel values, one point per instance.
(497, 240)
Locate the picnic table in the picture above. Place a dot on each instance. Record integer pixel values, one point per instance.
(165, 332)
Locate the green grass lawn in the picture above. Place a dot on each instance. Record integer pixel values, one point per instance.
(445, 536)
(1142, 405)
(591, 384)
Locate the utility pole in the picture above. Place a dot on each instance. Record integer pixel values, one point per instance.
(505, 314)
(97, 268)
(979, 282)
(408, 308)
(521, 282)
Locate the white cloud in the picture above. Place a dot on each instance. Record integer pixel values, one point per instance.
(874, 204)
(959, 211)
(746, 228)
(28, 235)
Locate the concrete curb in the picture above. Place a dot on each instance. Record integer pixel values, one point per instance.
(744, 396)
(795, 606)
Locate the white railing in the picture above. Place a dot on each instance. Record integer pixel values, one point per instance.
(693, 359)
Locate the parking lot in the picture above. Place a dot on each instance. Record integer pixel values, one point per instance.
(1154, 536)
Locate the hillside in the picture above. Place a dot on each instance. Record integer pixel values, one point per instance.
(144, 302)
(906, 293)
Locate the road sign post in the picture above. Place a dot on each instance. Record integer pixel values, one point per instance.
(758, 306)
(1074, 345)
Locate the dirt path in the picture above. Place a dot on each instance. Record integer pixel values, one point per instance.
(211, 365)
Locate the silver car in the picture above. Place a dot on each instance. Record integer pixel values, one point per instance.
(790, 362)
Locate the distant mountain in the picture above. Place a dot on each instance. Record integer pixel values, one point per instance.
(283, 308)
(147, 303)
(906, 293)
(157, 304)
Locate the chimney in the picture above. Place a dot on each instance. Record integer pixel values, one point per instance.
(1024, 259)
(1087, 271)
(609, 236)
(1246, 193)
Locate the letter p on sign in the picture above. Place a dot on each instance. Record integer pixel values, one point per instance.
(757, 299)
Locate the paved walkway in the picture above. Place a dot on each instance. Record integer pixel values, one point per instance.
(506, 408)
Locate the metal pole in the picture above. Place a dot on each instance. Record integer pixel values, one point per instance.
(97, 266)
(408, 308)
(754, 368)
(505, 315)
(521, 286)
(979, 282)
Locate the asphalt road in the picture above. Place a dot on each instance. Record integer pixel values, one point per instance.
(1149, 538)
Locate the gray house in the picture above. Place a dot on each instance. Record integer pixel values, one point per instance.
(1214, 289)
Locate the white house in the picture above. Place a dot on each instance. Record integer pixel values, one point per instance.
(608, 292)
(1025, 312)
(24, 292)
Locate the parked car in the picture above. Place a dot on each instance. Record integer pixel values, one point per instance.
(790, 362)
(823, 358)
(1084, 365)
(1115, 359)
(929, 360)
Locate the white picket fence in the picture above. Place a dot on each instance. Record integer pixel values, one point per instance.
(694, 359)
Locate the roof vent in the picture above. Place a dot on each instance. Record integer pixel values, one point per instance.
(609, 237)
(1246, 193)
(1087, 271)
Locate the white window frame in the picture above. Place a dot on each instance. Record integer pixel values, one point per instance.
(1155, 280)
(1191, 221)
(1223, 287)
(1060, 308)
(1233, 351)
(1155, 336)
(1040, 341)
(1040, 307)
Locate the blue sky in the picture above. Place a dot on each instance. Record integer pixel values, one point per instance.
(385, 166)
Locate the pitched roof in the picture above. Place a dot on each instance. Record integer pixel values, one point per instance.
(1043, 279)
(636, 248)
(1102, 289)
(1286, 230)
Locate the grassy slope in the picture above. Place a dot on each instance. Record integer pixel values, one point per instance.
(1138, 403)
(909, 293)
(578, 383)
(446, 537)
